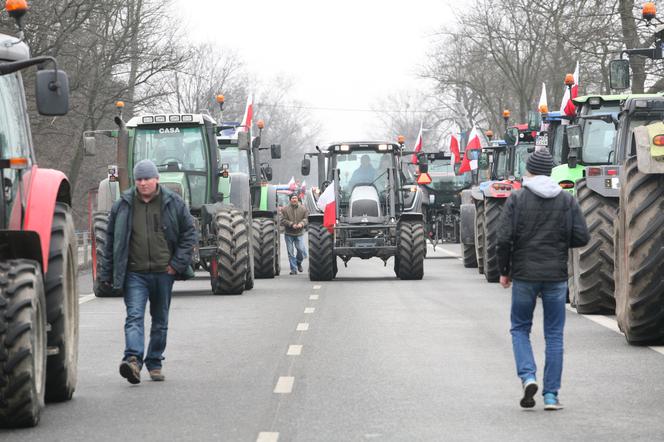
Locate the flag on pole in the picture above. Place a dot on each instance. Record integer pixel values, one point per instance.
(291, 183)
(327, 203)
(473, 144)
(418, 145)
(248, 114)
(567, 107)
(543, 106)
(454, 149)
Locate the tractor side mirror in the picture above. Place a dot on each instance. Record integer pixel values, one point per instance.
(256, 143)
(268, 173)
(619, 74)
(243, 140)
(574, 136)
(275, 151)
(52, 92)
(89, 145)
(306, 167)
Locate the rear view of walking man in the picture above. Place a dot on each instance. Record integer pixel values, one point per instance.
(539, 224)
(149, 244)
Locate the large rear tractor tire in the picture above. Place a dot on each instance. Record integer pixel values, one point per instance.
(61, 287)
(492, 210)
(639, 279)
(232, 261)
(411, 245)
(321, 253)
(99, 229)
(479, 236)
(22, 343)
(265, 237)
(593, 263)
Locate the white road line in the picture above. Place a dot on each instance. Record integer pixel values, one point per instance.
(317, 287)
(86, 298)
(267, 436)
(309, 310)
(294, 350)
(284, 385)
(302, 326)
(314, 297)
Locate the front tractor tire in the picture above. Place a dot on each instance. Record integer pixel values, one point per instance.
(411, 248)
(99, 229)
(22, 343)
(322, 261)
(232, 260)
(60, 284)
(265, 236)
(639, 254)
(492, 211)
(592, 265)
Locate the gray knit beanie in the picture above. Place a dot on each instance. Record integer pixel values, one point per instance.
(540, 162)
(145, 169)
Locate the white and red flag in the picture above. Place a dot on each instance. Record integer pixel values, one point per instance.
(567, 107)
(418, 145)
(473, 144)
(248, 114)
(327, 203)
(543, 107)
(454, 149)
(291, 183)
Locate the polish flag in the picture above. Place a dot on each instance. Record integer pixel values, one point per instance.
(473, 144)
(567, 107)
(291, 183)
(454, 149)
(327, 203)
(248, 114)
(418, 145)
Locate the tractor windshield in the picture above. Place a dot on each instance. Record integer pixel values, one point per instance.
(363, 167)
(558, 140)
(500, 160)
(598, 138)
(236, 159)
(520, 157)
(444, 176)
(14, 141)
(163, 145)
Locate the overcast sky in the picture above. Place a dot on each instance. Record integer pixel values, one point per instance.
(340, 53)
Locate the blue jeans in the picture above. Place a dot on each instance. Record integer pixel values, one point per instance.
(292, 243)
(139, 287)
(524, 298)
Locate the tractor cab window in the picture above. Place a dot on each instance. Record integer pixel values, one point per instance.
(484, 167)
(237, 159)
(520, 158)
(171, 144)
(558, 140)
(598, 138)
(444, 176)
(363, 168)
(500, 161)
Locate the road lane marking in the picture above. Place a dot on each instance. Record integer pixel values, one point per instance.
(267, 436)
(314, 297)
(284, 385)
(302, 326)
(294, 350)
(309, 310)
(86, 298)
(316, 287)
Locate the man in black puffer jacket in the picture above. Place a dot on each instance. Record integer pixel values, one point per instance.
(539, 224)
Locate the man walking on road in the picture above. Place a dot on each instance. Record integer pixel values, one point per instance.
(538, 226)
(149, 244)
(294, 219)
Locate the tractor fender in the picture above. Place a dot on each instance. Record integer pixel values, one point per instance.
(477, 193)
(21, 244)
(262, 214)
(467, 224)
(45, 188)
(240, 193)
(467, 196)
(411, 216)
(310, 202)
(107, 194)
(415, 204)
(315, 218)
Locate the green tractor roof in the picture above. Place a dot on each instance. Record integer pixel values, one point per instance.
(621, 97)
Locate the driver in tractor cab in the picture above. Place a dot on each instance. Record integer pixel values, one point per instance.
(363, 174)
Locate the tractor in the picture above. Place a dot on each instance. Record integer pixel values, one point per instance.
(375, 214)
(38, 250)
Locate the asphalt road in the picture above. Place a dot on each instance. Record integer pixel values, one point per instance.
(380, 359)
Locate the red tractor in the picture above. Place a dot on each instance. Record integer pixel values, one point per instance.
(38, 252)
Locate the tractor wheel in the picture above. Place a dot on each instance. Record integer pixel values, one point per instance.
(99, 228)
(264, 231)
(232, 264)
(640, 252)
(469, 258)
(492, 212)
(479, 236)
(22, 343)
(321, 253)
(593, 264)
(411, 244)
(277, 246)
(60, 284)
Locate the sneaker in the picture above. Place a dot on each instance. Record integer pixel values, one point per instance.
(156, 375)
(130, 370)
(299, 268)
(529, 390)
(551, 402)
(293, 272)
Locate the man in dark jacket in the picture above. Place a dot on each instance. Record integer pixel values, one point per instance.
(149, 243)
(538, 226)
(294, 220)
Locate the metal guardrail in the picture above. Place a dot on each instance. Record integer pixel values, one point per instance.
(84, 244)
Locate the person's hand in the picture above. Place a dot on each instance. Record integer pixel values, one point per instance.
(170, 270)
(505, 281)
